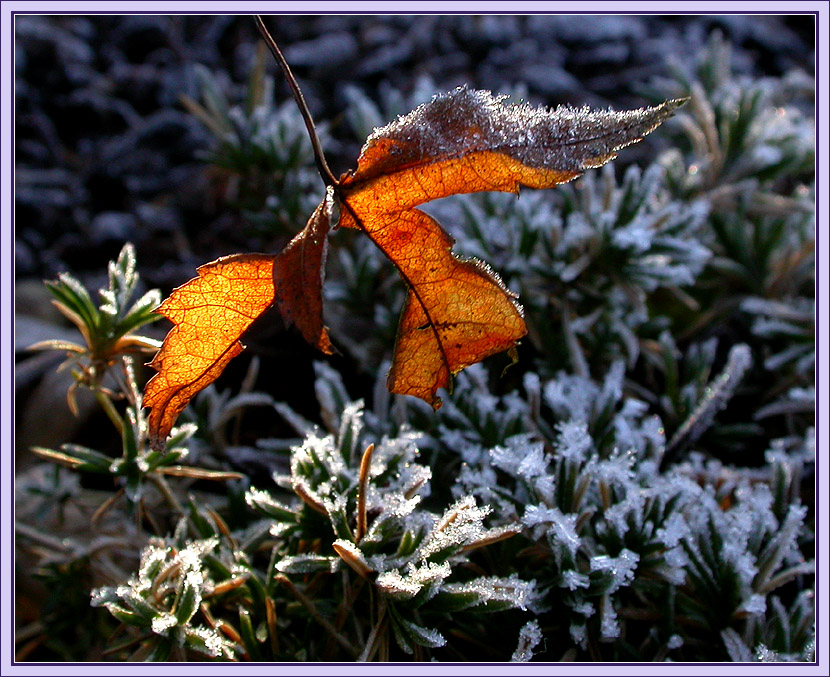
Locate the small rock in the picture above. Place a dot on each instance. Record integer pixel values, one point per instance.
(107, 226)
(24, 258)
(327, 51)
(138, 35)
(157, 218)
(595, 29)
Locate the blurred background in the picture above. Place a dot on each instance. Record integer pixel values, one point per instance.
(178, 134)
(106, 151)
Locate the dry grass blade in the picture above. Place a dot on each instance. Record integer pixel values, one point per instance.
(200, 474)
(315, 614)
(363, 486)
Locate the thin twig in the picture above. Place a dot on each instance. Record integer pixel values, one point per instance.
(309, 605)
(167, 494)
(374, 641)
(319, 158)
(105, 507)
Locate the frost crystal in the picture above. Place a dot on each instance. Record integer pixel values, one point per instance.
(756, 605)
(424, 636)
(620, 568)
(716, 397)
(573, 441)
(511, 456)
(571, 397)
(511, 589)
(559, 527)
(212, 643)
(529, 638)
(609, 624)
(573, 579)
(306, 562)
(618, 469)
(428, 574)
(534, 463)
(162, 623)
(565, 139)
(765, 655)
(101, 596)
(630, 509)
(579, 634)
(673, 531)
(477, 482)
(460, 525)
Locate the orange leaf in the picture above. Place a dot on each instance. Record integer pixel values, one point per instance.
(457, 311)
(298, 277)
(210, 314)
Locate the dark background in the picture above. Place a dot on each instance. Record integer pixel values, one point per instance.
(100, 129)
(106, 152)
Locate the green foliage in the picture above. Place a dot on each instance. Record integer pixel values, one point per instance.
(107, 329)
(636, 488)
(262, 164)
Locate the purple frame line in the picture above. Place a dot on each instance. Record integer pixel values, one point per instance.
(408, 668)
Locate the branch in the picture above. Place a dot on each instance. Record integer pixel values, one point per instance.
(319, 158)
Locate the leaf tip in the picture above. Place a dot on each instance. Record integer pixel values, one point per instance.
(667, 108)
(157, 443)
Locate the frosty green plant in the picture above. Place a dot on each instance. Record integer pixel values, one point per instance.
(108, 329)
(163, 598)
(632, 562)
(260, 155)
(409, 555)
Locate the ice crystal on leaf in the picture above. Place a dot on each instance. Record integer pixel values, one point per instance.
(530, 636)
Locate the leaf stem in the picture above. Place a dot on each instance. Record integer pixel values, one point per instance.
(167, 494)
(109, 408)
(319, 158)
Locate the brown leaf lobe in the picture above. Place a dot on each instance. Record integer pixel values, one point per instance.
(298, 277)
(458, 312)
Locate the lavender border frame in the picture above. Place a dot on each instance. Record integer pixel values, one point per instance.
(8, 10)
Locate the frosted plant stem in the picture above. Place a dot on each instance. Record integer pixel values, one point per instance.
(715, 398)
(803, 569)
(580, 366)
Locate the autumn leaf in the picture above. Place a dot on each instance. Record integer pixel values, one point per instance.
(457, 310)
(210, 314)
(298, 277)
